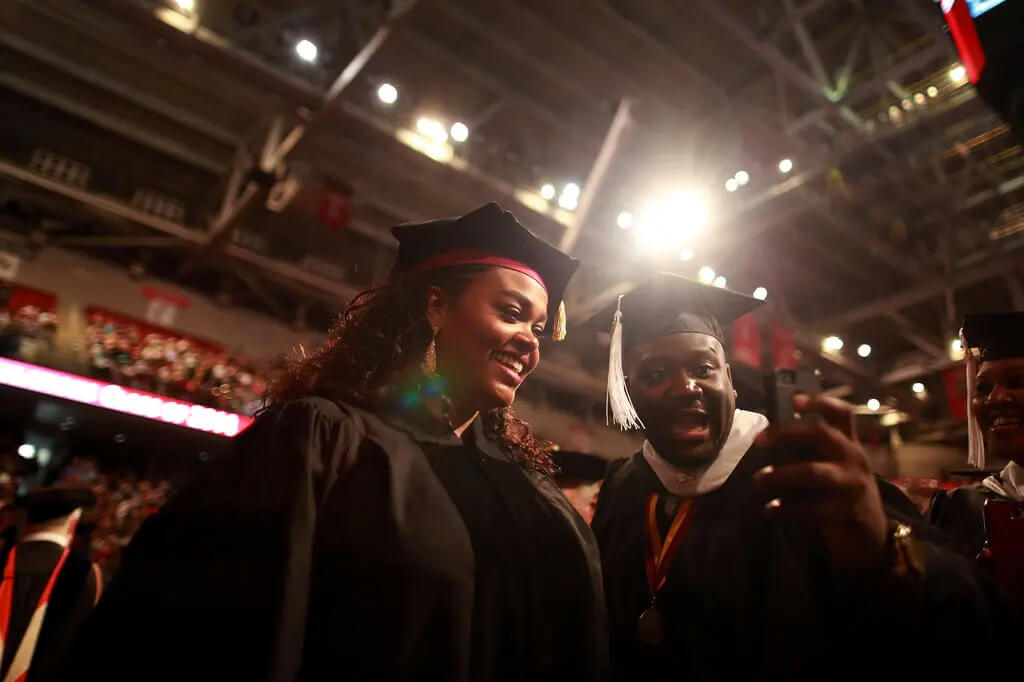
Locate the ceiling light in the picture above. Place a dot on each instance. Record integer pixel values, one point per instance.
(387, 93)
(894, 113)
(186, 5)
(958, 74)
(720, 281)
(431, 129)
(548, 192)
(686, 255)
(672, 221)
(706, 274)
(459, 131)
(907, 104)
(742, 177)
(785, 165)
(956, 351)
(625, 220)
(919, 98)
(568, 202)
(27, 451)
(932, 91)
(864, 350)
(571, 189)
(873, 404)
(760, 293)
(306, 50)
(731, 185)
(918, 387)
(832, 343)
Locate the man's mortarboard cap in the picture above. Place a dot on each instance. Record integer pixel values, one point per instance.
(488, 235)
(995, 335)
(46, 504)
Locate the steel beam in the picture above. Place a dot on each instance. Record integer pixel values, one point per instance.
(118, 241)
(803, 38)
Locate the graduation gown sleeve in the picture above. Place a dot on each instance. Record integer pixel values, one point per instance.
(216, 586)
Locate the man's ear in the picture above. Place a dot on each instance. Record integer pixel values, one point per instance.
(437, 307)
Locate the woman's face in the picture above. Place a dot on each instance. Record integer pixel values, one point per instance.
(488, 336)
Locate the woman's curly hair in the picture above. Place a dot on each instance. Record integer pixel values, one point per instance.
(379, 334)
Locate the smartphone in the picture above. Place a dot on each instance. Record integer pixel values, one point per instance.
(780, 387)
(1003, 554)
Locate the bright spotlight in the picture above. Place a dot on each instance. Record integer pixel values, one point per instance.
(919, 98)
(864, 350)
(918, 387)
(186, 5)
(625, 220)
(570, 197)
(956, 351)
(686, 255)
(706, 274)
(672, 221)
(742, 177)
(760, 293)
(431, 129)
(571, 189)
(387, 93)
(731, 185)
(873, 404)
(932, 91)
(459, 131)
(720, 281)
(306, 50)
(26, 450)
(785, 165)
(894, 113)
(832, 343)
(907, 104)
(958, 74)
(548, 192)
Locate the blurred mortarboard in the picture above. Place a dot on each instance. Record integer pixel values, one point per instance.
(995, 335)
(579, 466)
(664, 304)
(46, 504)
(488, 235)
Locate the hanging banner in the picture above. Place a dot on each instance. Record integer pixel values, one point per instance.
(746, 341)
(163, 306)
(955, 381)
(783, 347)
(334, 206)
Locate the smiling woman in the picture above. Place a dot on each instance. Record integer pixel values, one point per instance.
(386, 515)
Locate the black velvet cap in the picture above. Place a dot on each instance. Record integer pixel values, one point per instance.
(996, 335)
(579, 466)
(45, 504)
(668, 303)
(480, 236)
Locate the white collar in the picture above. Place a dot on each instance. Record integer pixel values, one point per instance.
(48, 536)
(1009, 483)
(745, 428)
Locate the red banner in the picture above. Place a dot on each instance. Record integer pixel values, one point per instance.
(783, 347)
(955, 381)
(746, 341)
(965, 35)
(333, 209)
(19, 296)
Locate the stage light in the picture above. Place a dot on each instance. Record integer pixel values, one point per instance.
(932, 91)
(686, 255)
(431, 129)
(918, 387)
(873, 404)
(706, 274)
(919, 98)
(785, 165)
(459, 131)
(760, 293)
(832, 343)
(742, 177)
(720, 282)
(958, 74)
(186, 5)
(306, 50)
(570, 197)
(731, 185)
(864, 350)
(672, 221)
(625, 220)
(26, 451)
(548, 192)
(387, 93)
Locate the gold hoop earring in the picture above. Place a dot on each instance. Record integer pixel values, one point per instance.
(430, 357)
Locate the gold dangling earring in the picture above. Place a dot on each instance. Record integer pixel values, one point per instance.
(430, 357)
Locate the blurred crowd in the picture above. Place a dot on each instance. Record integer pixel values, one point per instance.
(27, 333)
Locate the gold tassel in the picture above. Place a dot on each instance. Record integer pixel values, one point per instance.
(430, 357)
(558, 326)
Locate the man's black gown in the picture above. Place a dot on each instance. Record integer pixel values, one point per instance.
(336, 543)
(749, 595)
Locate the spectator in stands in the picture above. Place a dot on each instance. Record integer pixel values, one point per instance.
(386, 517)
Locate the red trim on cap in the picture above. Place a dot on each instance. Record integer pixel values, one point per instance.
(477, 257)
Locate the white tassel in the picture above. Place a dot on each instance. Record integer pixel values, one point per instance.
(617, 401)
(975, 438)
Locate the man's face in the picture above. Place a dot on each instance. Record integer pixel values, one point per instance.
(681, 387)
(998, 405)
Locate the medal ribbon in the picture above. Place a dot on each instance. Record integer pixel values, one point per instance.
(659, 554)
(23, 656)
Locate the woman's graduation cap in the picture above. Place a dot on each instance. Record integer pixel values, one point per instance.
(488, 236)
(996, 336)
(664, 304)
(579, 466)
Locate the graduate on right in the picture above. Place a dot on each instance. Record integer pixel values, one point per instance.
(731, 548)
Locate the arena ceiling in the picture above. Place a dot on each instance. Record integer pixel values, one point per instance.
(189, 140)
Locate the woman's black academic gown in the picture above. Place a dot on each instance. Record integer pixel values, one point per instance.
(334, 543)
(748, 597)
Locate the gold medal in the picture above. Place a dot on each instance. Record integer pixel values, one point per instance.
(650, 628)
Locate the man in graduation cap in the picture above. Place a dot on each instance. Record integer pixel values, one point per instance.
(995, 430)
(730, 548)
